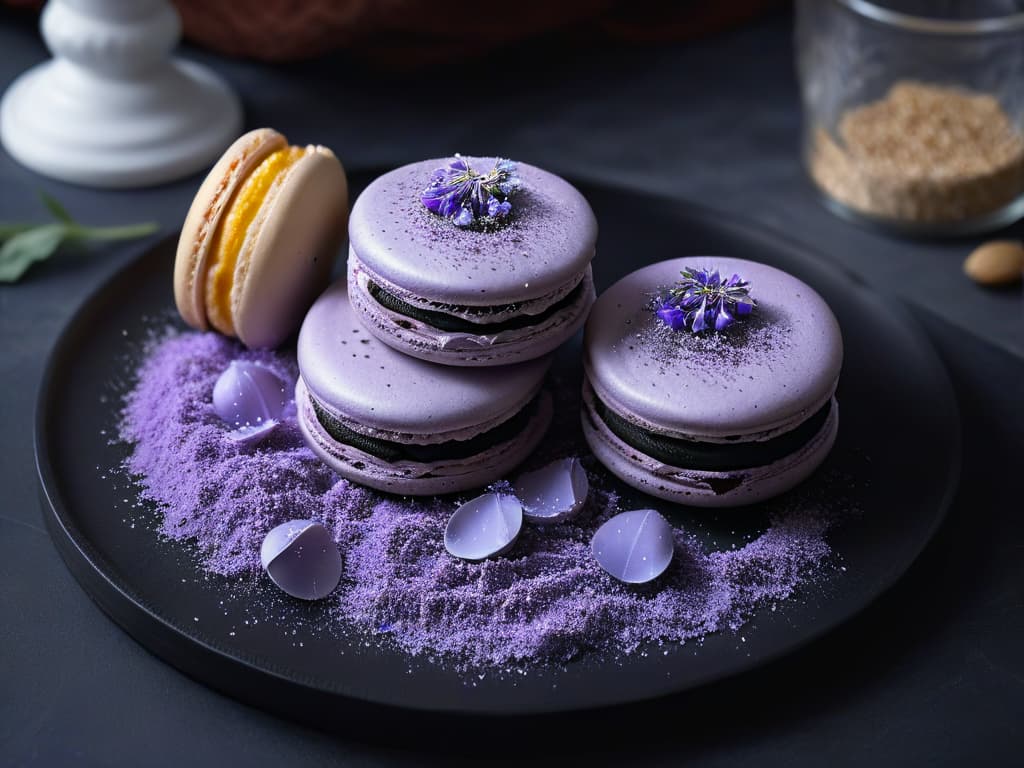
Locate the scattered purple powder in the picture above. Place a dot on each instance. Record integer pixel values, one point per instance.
(547, 601)
(727, 349)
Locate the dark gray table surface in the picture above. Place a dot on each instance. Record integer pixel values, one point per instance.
(932, 674)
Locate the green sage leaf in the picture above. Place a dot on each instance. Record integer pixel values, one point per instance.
(25, 248)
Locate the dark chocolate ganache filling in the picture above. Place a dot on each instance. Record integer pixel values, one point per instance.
(452, 324)
(451, 450)
(712, 457)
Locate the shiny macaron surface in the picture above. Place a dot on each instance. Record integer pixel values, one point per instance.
(766, 373)
(547, 243)
(356, 376)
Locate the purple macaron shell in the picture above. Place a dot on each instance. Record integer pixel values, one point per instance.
(701, 488)
(764, 375)
(548, 243)
(356, 376)
(418, 478)
(384, 393)
(421, 340)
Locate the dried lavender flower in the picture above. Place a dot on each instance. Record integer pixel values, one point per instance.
(465, 196)
(702, 300)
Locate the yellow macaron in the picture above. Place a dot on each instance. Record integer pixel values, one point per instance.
(260, 238)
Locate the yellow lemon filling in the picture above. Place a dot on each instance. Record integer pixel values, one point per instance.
(231, 234)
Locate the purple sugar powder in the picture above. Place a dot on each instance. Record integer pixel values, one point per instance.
(546, 601)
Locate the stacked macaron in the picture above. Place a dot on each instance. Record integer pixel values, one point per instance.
(502, 287)
(423, 372)
(718, 391)
(390, 421)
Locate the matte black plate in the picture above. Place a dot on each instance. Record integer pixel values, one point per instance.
(899, 443)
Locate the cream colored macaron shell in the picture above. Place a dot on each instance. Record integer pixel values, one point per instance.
(260, 238)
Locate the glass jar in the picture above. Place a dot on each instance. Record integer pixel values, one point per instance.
(914, 110)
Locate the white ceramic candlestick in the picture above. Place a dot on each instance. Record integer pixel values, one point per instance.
(112, 108)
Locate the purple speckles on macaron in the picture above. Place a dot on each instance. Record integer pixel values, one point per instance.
(720, 416)
(352, 372)
(473, 287)
(379, 393)
(547, 241)
(774, 368)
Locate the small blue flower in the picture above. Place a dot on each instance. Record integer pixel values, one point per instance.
(703, 300)
(463, 195)
(671, 315)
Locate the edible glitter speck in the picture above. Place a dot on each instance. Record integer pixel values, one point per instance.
(718, 357)
(547, 601)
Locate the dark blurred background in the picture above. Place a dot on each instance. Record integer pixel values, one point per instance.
(694, 101)
(412, 34)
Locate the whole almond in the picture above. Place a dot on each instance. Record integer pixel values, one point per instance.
(1000, 262)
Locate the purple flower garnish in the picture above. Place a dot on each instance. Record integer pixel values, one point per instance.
(670, 315)
(463, 195)
(702, 300)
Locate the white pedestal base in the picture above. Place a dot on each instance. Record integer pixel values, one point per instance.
(75, 120)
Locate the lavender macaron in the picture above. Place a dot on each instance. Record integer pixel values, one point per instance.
(403, 425)
(711, 381)
(471, 261)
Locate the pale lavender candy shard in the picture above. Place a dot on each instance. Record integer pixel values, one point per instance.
(302, 559)
(280, 538)
(634, 547)
(248, 395)
(486, 526)
(554, 493)
(253, 433)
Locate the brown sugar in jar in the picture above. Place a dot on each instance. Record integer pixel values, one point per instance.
(923, 153)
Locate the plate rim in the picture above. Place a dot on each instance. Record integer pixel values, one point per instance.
(136, 617)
